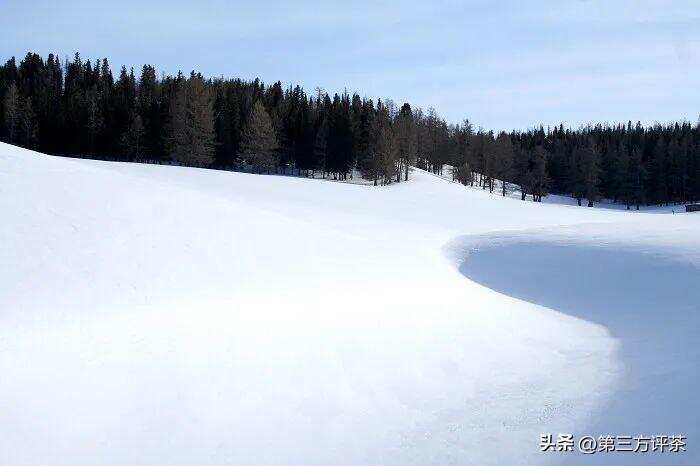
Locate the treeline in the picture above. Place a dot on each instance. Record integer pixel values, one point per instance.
(78, 108)
(630, 164)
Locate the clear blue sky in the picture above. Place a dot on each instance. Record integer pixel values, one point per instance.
(507, 64)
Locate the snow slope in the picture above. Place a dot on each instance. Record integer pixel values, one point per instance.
(155, 315)
(513, 191)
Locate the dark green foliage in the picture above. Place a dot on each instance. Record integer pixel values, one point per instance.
(191, 137)
(77, 108)
(260, 144)
(625, 163)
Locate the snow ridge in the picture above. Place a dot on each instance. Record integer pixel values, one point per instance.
(165, 315)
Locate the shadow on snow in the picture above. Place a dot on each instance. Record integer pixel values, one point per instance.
(650, 303)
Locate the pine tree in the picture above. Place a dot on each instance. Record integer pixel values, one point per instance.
(365, 158)
(11, 104)
(148, 109)
(386, 147)
(340, 138)
(387, 153)
(489, 160)
(95, 121)
(503, 160)
(29, 125)
(321, 146)
(463, 173)
(259, 145)
(612, 172)
(659, 188)
(462, 156)
(522, 172)
(224, 119)
(406, 134)
(586, 174)
(637, 175)
(677, 170)
(122, 103)
(84, 112)
(538, 174)
(592, 175)
(49, 118)
(191, 127)
(133, 138)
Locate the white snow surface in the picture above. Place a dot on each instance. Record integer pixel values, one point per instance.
(157, 315)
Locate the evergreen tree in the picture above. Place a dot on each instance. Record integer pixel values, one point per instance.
(522, 171)
(463, 173)
(84, 112)
(637, 175)
(123, 103)
(585, 176)
(677, 170)
(503, 160)
(191, 127)
(538, 174)
(28, 125)
(12, 108)
(259, 145)
(365, 157)
(149, 112)
(321, 146)
(387, 154)
(657, 172)
(340, 138)
(95, 121)
(133, 138)
(407, 141)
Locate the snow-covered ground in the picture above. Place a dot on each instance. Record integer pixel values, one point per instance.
(513, 191)
(154, 315)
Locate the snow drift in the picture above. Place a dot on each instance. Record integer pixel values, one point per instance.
(645, 292)
(164, 315)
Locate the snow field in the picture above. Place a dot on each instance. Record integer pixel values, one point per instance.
(165, 315)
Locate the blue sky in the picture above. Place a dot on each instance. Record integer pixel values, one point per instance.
(502, 64)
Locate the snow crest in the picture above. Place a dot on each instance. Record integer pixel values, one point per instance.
(156, 315)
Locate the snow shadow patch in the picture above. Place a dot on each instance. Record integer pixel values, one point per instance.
(648, 300)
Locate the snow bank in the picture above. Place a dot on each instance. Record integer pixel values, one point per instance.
(164, 315)
(643, 290)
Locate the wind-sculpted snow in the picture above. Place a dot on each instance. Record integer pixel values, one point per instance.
(645, 293)
(156, 315)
